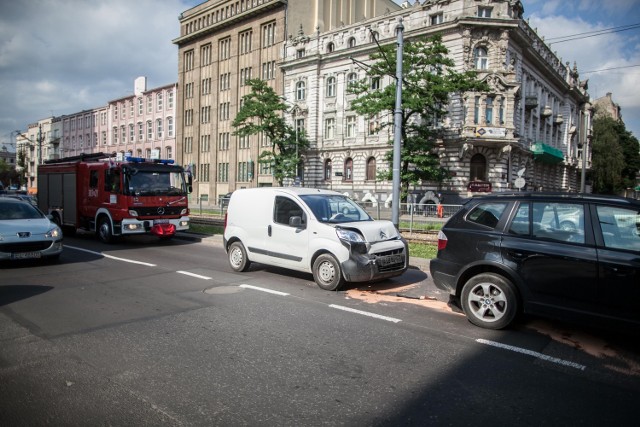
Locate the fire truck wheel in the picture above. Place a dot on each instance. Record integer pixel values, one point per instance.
(104, 231)
(238, 257)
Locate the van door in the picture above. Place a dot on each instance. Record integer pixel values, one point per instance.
(288, 244)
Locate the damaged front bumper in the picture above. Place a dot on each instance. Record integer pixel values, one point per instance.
(376, 261)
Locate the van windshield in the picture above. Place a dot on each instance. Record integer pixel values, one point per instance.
(335, 208)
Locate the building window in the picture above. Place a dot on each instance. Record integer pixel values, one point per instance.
(224, 110)
(170, 100)
(375, 83)
(245, 42)
(351, 127)
(327, 169)
(159, 129)
(188, 90)
(373, 37)
(140, 131)
(224, 49)
(123, 134)
(501, 112)
(188, 144)
(330, 87)
(205, 114)
(188, 60)
(301, 91)
(330, 128)
(348, 169)
(374, 124)
(481, 58)
(223, 141)
(352, 79)
(206, 86)
(437, 19)
(149, 104)
(149, 130)
(478, 168)
(488, 112)
(330, 47)
(476, 110)
(188, 117)
(223, 172)
(170, 127)
(351, 42)
(225, 81)
(205, 53)
(132, 132)
(245, 74)
(159, 101)
(371, 169)
(243, 171)
(169, 153)
(268, 34)
(300, 53)
(205, 143)
(484, 12)
(269, 70)
(243, 142)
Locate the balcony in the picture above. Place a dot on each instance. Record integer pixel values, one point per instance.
(558, 119)
(530, 101)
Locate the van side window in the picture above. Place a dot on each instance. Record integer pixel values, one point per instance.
(284, 209)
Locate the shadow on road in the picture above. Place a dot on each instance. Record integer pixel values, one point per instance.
(12, 293)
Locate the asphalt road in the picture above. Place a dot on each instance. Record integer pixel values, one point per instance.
(148, 333)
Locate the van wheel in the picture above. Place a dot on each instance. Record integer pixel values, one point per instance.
(489, 301)
(327, 272)
(238, 259)
(104, 231)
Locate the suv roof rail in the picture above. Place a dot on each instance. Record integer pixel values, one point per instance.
(559, 194)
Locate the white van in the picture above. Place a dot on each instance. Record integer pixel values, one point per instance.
(316, 231)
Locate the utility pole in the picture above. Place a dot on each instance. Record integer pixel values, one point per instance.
(397, 130)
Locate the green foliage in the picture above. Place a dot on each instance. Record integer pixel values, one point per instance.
(262, 112)
(615, 156)
(429, 79)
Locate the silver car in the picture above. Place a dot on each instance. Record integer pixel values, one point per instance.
(26, 233)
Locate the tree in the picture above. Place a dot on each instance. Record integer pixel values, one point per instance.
(262, 112)
(607, 161)
(429, 79)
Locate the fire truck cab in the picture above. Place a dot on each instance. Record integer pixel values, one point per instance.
(115, 196)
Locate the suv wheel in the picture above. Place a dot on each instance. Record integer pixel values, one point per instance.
(489, 301)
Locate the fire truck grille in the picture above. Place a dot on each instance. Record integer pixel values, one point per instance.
(25, 246)
(159, 211)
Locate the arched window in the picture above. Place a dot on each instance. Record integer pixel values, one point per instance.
(481, 58)
(301, 89)
(331, 87)
(327, 169)
(330, 47)
(478, 168)
(373, 37)
(351, 42)
(348, 169)
(371, 169)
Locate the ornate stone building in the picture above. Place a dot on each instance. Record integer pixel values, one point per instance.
(531, 124)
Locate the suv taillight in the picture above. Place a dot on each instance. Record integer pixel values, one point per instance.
(442, 240)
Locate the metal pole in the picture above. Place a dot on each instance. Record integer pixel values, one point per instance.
(39, 144)
(397, 131)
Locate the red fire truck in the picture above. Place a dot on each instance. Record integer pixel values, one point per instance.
(115, 196)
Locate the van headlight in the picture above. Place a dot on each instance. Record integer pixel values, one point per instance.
(349, 235)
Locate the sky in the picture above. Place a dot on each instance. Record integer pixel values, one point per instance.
(64, 56)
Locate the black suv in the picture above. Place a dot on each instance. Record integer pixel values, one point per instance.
(558, 255)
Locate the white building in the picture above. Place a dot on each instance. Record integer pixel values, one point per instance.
(534, 119)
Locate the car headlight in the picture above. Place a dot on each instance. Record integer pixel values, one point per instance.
(349, 236)
(133, 213)
(54, 233)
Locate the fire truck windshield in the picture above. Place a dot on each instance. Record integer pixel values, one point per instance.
(153, 183)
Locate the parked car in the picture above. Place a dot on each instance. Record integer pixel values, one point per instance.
(306, 230)
(224, 200)
(25, 197)
(509, 253)
(27, 233)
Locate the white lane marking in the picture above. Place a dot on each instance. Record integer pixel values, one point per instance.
(110, 256)
(365, 313)
(194, 275)
(264, 290)
(534, 354)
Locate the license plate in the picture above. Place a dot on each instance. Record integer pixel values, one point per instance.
(25, 255)
(160, 221)
(390, 259)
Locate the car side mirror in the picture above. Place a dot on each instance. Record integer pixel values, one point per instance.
(295, 221)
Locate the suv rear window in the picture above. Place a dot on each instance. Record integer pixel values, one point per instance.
(487, 214)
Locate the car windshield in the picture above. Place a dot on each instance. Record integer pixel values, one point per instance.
(335, 208)
(23, 210)
(147, 183)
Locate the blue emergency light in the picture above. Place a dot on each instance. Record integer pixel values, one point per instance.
(143, 160)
